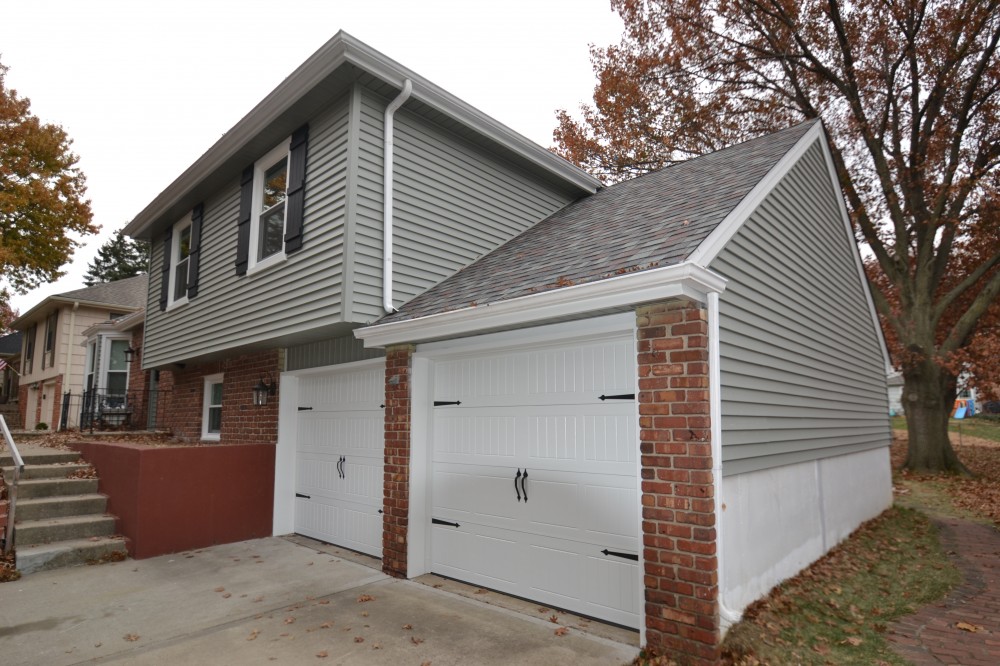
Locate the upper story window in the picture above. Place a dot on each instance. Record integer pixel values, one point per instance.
(180, 257)
(181, 248)
(272, 205)
(267, 223)
(49, 354)
(29, 348)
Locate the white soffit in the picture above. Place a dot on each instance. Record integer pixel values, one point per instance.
(681, 280)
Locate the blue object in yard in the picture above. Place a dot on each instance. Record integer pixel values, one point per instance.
(960, 412)
(972, 407)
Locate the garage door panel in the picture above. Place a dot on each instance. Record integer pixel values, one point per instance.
(558, 374)
(479, 555)
(480, 494)
(345, 390)
(474, 434)
(358, 434)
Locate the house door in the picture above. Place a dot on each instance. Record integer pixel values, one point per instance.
(339, 456)
(534, 479)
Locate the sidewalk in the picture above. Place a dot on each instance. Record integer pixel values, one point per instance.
(963, 628)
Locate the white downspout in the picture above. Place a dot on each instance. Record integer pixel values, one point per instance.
(387, 132)
(729, 616)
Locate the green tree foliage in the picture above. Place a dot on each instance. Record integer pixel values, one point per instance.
(119, 258)
(42, 197)
(909, 92)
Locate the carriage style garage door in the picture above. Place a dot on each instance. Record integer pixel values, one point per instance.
(339, 456)
(534, 488)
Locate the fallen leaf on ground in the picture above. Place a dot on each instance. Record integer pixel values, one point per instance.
(407, 626)
(561, 631)
(376, 646)
(326, 625)
(554, 619)
(323, 602)
(359, 639)
(482, 591)
(365, 597)
(364, 613)
(415, 640)
(289, 620)
(220, 589)
(965, 626)
(253, 635)
(226, 595)
(322, 655)
(131, 638)
(854, 640)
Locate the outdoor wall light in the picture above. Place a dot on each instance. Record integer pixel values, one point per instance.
(131, 354)
(264, 389)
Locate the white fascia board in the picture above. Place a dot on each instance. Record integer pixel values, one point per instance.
(341, 49)
(723, 233)
(681, 280)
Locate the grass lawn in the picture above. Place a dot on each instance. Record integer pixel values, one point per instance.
(978, 427)
(838, 610)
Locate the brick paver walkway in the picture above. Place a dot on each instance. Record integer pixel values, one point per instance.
(933, 635)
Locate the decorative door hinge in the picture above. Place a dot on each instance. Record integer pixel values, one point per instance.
(438, 521)
(305, 409)
(303, 496)
(442, 403)
(627, 556)
(620, 396)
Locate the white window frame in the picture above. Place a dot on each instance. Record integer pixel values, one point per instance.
(260, 168)
(175, 253)
(100, 345)
(207, 404)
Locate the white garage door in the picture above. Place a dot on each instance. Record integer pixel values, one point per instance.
(339, 457)
(534, 488)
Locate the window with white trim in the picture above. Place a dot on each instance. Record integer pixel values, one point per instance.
(211, 417)
(267, 221)
(180, 261)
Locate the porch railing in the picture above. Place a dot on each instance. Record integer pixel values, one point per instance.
(103, 409)
(8, 540)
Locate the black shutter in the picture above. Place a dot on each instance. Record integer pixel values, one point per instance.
(165, 273)
(296, 191)
(243, 226)
(195, 251)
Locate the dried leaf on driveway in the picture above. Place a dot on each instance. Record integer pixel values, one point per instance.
(253, 634)
(131, 638)
(965, 626)
(322, 655)
(365, 597)
(561, 631)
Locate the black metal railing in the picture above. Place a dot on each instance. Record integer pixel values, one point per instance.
(103, 409)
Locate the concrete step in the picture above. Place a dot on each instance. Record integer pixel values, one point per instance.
(60, 506)
(40, 457)
(67, 528)
(55, 471)
(68, 553)
(33, 488)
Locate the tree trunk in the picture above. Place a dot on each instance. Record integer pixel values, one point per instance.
(928, 396)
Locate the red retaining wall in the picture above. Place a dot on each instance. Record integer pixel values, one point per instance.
(174, 498)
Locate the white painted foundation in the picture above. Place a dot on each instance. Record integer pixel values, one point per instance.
(776, 522)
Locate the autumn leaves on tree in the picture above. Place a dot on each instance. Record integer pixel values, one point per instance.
(43, 209)
(908, 92)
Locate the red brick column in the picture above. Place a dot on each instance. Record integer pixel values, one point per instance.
(22, 403)
(678, 511)
(395, 520)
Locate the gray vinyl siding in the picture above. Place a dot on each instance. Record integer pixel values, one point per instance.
(453, 202)
(300, 295)
(803, 375)
(334, 351)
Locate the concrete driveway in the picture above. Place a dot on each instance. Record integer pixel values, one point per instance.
(274, 601)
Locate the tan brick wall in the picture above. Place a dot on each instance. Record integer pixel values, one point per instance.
(678, 510)
(396, 502)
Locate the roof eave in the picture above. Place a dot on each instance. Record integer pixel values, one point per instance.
(680, 280)
(32, 314)
(340, 50)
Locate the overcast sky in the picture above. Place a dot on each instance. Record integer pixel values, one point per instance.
(144, 88)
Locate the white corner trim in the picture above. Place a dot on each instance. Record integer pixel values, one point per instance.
(686, 279)
(721, 235)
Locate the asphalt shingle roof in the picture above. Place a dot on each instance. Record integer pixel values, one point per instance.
(652, 221)
(130, 292)
(10, 344)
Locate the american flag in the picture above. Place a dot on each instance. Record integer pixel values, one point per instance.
(3, 364)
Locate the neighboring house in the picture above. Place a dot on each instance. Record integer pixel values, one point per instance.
(10, 354)
(55, 360)
(894, 386)
(553, 421)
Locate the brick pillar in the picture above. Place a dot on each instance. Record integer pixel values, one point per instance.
(396, 504)
(678, 510)
(56, 419)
